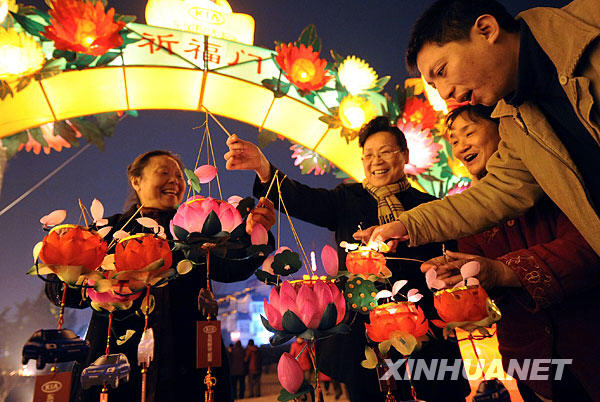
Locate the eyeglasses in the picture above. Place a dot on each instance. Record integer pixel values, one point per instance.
(384, 155)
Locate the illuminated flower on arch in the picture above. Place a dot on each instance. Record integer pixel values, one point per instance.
(310, 161)
(302, 67)
(419, 111)
(356, 75)
(354, 111)
(80, 26)
(423, 152)
(55, 142)
(20, 54)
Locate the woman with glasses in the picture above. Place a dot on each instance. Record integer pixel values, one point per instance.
(382, 196)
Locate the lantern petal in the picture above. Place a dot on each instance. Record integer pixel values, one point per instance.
(54, 218)
(273, 316)
(205, 173)
(329, 258)
(259, 235)
(470, 269)
(289, 372)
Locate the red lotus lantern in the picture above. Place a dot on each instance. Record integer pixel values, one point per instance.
(73, 246)
(138, 251)
(466, 307)
(302, 67)
(397, 324)
(367, 262)
(81, 26)
(137, 260)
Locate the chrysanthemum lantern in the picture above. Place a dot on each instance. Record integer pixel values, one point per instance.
(20, 54)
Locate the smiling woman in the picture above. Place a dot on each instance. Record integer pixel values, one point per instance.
(156, 178)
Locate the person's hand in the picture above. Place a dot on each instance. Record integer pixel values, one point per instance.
(390, 231)
(207, 304)
(492, 273)
(244, 155)
(263, 213)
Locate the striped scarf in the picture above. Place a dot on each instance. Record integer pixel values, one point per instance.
(389, 207)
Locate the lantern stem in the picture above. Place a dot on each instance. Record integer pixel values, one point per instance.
(477, 356)
(110, 318)
(61, 315)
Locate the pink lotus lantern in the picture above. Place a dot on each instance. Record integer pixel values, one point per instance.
(306, 306)
(110, 294)
(194, 216)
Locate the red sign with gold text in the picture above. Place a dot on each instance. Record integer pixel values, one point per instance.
(208, 348)
(53, 387)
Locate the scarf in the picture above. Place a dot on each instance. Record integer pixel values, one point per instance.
(389, 207)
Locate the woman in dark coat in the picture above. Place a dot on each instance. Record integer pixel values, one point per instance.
(158, 184)
(344, 210)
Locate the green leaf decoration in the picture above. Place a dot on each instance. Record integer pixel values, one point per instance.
(65, 54)
(400, 99)
(332, 122)
(278, 87)
(266, 324)
(380, 83)
(193, 180)
(29, 25)
(265, 137)
(107, 58)
(286, 263)
(348, 134)
(305, 388)
(403, 342)
(12, 143)
(36, 134)
(40, 13)
(64, 130)
(128, 40)
(23, 82)
(89, 131)
(309, 37)
(280, 338)
(184, 266)
(310, 96)
(5, 90)
(107, 122)
(126, 18)
(360, 294)
(82, 61)
(265, 277)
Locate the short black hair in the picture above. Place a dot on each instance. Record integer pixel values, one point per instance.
(474, 112)
(381, 123)
(451, 20)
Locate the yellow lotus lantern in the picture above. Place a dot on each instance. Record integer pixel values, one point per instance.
(355, 111)
(356, 75)
(20, 54)
(206, 17)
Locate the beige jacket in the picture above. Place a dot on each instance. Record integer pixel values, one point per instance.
(530, 158)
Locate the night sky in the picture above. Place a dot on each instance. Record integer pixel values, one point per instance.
(375, 31)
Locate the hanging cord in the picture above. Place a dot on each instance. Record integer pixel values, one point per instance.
(45, 179)
(295, 234)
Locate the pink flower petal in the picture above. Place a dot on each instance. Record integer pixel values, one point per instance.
(470, 269)
(307, 303)
(234, 200)
(414, 296)
(97, 210)
(282, 249)
(472, 281)
(205, 173)
(290, 373)
(398, 285)
(430, 277)
(329, 258)
(274, 298)
(266, 265)
(147, 222)
(273, 316)
(323, 293)
(340, 305)
(259, 235)
(54, 218)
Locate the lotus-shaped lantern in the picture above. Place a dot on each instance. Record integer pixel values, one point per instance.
(142, 259)
(307, 308)
(366, 262)
(402, 325)
(466, 307)
(206, 216)
(70, 251)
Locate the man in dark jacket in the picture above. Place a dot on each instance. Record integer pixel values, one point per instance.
(384, 194)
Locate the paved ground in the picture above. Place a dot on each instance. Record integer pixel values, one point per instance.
(270, 388)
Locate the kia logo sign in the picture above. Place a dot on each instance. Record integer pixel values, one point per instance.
(52, 387)
(209, 329)
(206, 15)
